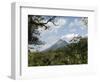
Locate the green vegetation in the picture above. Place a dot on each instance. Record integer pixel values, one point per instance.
(74, 53)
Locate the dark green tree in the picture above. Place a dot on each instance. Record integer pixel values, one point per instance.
(35, 22)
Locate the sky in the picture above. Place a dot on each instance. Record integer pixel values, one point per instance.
(67, 28)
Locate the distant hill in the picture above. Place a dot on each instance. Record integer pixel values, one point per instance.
(59, 44)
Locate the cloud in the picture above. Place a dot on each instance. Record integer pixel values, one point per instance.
(49, 40)
(74, 23)
(47, 45)
(44, 47)
(54, 28)
(69, 37)
(77, 23)
(71, 24)
(59, 23)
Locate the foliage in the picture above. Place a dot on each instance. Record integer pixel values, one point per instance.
(85, 21)
(35, 22)
(74, 53)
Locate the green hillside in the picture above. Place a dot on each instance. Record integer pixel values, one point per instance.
(74, 53)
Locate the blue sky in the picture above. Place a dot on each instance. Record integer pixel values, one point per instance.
(67, 27)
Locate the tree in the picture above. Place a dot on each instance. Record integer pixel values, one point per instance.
(35, 22)
(75, 39)
(84, 20)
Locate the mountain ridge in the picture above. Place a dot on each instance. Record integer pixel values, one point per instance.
(59, 44)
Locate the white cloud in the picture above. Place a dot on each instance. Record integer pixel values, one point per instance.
(71, 24)
(77, 22)
(74, 23)
(44, 47)
(60, 22)
(50, 40)
(69, 37)
(54, 28)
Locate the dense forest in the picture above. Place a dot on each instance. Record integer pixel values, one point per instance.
(73, 53)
